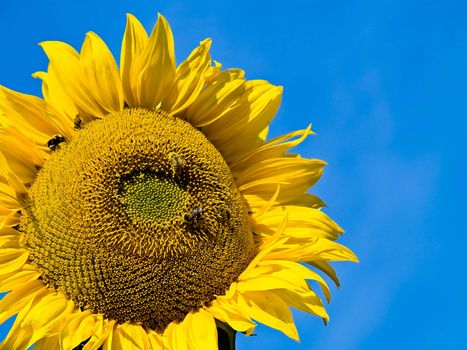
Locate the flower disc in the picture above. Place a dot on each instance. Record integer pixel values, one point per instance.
(138, 217)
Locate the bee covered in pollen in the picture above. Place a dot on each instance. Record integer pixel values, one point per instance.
(177, 163)
(192, 219)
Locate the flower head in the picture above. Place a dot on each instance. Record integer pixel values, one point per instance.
(142, 204)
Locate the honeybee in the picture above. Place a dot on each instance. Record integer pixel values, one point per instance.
(177, 164)
(77, 122)
(192, 219)
(55, 142)
(225, 224)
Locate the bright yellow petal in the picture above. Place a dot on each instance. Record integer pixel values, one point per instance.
(274, 148)
(202, 330)
(66, 67)
(307, 302)
(134, 41)
(102, 73)
(226, 311)
(155, 339)
(128, 337)
(154, 68)
(280, 274)
(214, 71)
(31, 116)
(8, 201)
(49, 343)
(268, 245)
(196, 332)
(175, 337)
(22, 155)
(9, 220)
(189, 79)
(320, 249)
(56, 97)
(216, 99)
(249, 118)
(295, 175)
(327, 269)
(103, 333)
(10, 240)
(39, 320)
(19, 298)
(16, 279)
(306, 200)
(269, 309)
(12, 190)
(265, 206)
(305, 224)
(12, 259)
(78, 327)
(258, 203)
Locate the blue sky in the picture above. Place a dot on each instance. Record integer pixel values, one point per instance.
(384, 83)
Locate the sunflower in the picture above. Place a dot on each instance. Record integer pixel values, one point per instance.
(142, 207)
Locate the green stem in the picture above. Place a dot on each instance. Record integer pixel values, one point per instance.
(225, 336)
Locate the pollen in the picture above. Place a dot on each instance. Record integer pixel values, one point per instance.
(138, 218)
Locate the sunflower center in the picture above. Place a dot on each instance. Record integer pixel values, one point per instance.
(138, 218)
(147, 197)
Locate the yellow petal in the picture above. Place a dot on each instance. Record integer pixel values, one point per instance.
(320, 249)
(216, 99)
(56, 97)
(307, 200)
(189, 79)
(19, 298)
(327, 269)
(226, 311)
(202, 330)
(196, 332)
(269, 309)
(249, 118)
(269, 245)
(175, 337)
(22, 155)
(266, 205)
(49, 343)
(31, 116)
(8, 220)
(10, 240)
(281, 274)
(66, 67)
(12, 259)
(307, 302)
(8, 199)
(39, 320)
(305, 224)
(102, 335)
(14, 280)
(134, 41)
(214, 71)
(155, 339)
(17, 188)
(274, 148)
(257, 203)
(154, 69)
(102, 73)
(296, 176)
(129, 337)
(78, 327)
